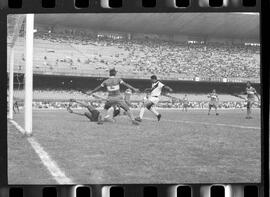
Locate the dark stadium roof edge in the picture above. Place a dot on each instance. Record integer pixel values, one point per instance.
(244, 26)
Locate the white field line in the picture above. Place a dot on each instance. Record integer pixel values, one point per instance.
(207, 123)
(50, 164)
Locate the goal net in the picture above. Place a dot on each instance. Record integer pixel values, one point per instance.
(15, 53)
(14, 28)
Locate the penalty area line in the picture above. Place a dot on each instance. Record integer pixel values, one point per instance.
(207, 123)
(47, 161)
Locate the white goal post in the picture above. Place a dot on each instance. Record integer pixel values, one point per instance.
(28, 86)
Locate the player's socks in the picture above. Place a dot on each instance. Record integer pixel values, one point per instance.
(138, 119)
(142, 112)
(158, 117)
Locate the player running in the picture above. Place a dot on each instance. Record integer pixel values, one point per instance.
(93, 115)
(152, 100)
(213, 101)
(185, 103)
(114, 96)
(251, 93)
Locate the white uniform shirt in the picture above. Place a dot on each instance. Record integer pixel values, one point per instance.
(156, 89)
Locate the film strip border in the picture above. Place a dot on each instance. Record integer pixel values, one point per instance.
(130, 5)
(216, 190)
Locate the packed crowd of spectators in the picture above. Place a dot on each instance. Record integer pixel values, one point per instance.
(60, 99)
(167, 104)
(140, 56)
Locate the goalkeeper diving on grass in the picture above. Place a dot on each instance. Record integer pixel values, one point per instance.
(93, 114)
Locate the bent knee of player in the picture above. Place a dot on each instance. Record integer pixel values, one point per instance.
(149, 105)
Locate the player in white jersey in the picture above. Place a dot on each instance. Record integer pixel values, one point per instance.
(213, 101)
(152, 98)
(251, 93)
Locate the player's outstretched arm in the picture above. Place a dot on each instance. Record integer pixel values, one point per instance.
(131, 87)
(99, 97)
(243, 92)
(147, 90)
(167, 88)
(93, 91)
(239, 96)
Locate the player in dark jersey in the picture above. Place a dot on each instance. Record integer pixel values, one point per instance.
(115, 98)
(213, 101)
(185, 103)
(93, 115)
(251, 93)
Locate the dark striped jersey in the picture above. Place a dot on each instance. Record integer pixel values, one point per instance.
(113, 86)
(250, 92)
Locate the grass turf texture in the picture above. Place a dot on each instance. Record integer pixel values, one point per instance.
(169, 151)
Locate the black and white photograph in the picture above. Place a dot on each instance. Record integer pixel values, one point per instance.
(134, 98)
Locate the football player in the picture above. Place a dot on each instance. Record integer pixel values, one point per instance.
(213, 101)
(115, 98)
(251, 93)
(153, 98)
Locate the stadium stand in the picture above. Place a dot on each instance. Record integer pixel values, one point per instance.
(69, 53)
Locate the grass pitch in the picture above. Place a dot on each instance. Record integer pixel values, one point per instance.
(184, 147)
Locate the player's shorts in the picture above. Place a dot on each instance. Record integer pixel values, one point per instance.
(185, 105)
(153, 99)
(112, 101)
(213, 104)
(92, 115)
(250, 102)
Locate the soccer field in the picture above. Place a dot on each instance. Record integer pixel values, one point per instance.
(184, 147)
